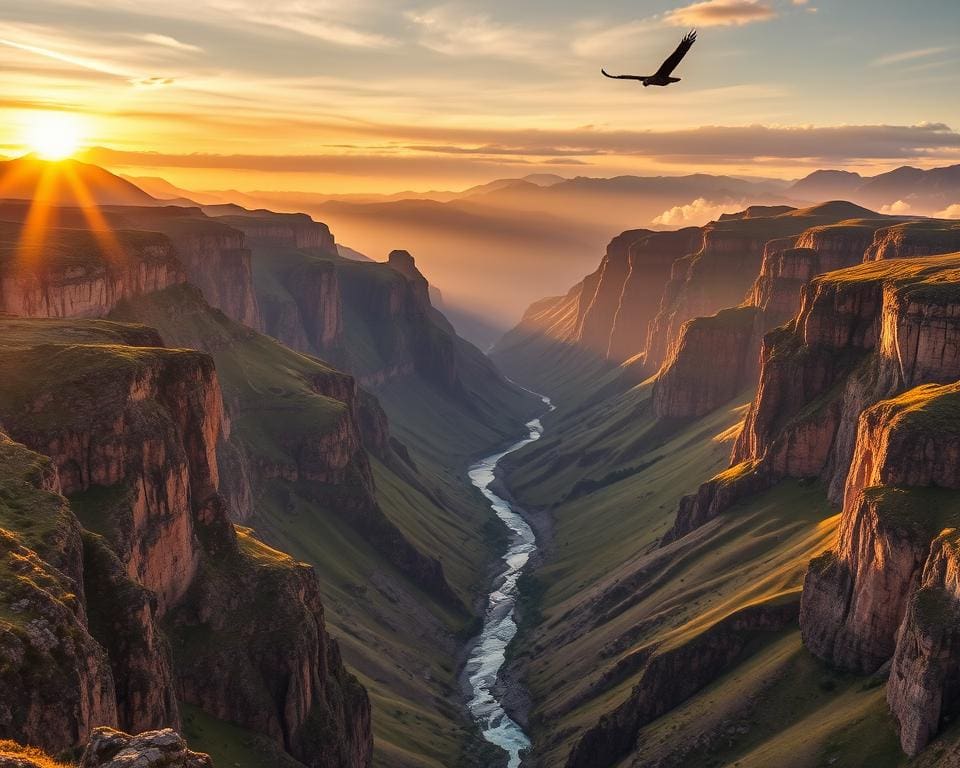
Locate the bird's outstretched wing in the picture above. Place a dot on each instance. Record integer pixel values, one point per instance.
(674, 58)
(623, 77)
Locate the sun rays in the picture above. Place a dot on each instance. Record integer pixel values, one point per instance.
(60, 196)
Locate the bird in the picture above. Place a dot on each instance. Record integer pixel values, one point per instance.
(662, 75)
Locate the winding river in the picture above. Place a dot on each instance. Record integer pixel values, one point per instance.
(499, 626)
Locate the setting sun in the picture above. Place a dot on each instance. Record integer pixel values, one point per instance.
(52, 136)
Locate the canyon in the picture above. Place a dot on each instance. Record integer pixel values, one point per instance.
(779, 454)
(189, 451)
(236, 516)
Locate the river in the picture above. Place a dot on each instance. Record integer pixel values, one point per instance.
(499, 626)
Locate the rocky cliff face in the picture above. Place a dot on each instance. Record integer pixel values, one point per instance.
(277, 671)
(924, 687)
(132, 434)
(717, 276)
(650, 261)
(292, 230)
(55, 679)
(876, 595)
(85, 272)
(323, 448)
(862, 334)
(708, 365)
(914, 238)
(149, 435)
(66, 275)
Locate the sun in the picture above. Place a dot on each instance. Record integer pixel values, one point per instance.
(52, 135)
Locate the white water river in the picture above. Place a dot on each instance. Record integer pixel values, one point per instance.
(499, 625)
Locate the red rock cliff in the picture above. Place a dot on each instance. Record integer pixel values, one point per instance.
(66, 274)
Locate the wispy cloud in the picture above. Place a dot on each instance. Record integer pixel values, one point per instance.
(449, 30)
(66, 58)
(899, 58)
(170, 42)
(699, 145)
(720, 13)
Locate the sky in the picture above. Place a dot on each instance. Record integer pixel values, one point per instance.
(368, 95)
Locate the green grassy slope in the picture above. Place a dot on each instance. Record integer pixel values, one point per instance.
(607, 597)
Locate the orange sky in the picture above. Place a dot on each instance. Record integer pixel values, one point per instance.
(404, 95)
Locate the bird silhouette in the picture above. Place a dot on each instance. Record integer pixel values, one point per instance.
(662, 75)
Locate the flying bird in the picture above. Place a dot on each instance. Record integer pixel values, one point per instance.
(662, 75)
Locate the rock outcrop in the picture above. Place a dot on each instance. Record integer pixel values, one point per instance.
(55, 679)
(878, 594)
(862, 334)
(715, 277)
(96, 259)
(77, 273)
(132, 433)
(323, 448)
(650, 260)
(914, 238)
(924, 687)
(708, 365)
(108, 748)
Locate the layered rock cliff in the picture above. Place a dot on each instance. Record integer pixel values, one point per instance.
(321, 446)
(887, 589)
(708, 365)
(55, 679)
(76, 273)
(132, 432)
(924, 687)
(372, 319)
(914, 238)
(120, 251)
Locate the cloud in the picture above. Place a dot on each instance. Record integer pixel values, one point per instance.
(898, 58)
(896, 208)
(614, 40)
(170, 42)
(950, 212)
(446, 30)
(720, 13)
(331, 21)
(152, 82)
(697, 213)
(405, 145)
(77, 61)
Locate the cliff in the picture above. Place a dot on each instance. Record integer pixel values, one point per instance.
(649, 284)
(372, 319)
(320, 442)
(708, 365)
(565, 340)
(76, 273)
(55, 679)
(81, 254)
(922, 692)
(914, 238)
(862, 334)
(215, 254)
(860, 609)
(132, 432)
